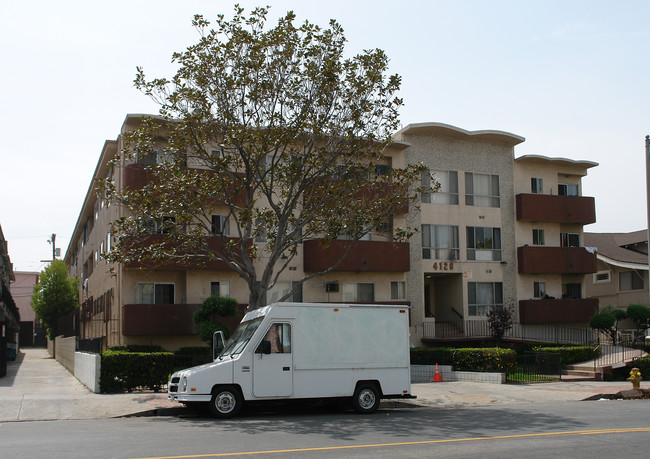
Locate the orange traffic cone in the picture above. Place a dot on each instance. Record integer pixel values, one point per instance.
(437, 377)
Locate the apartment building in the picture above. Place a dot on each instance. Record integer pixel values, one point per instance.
(498, 232)
(138, 305)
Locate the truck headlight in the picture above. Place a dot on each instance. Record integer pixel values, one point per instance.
(184, 386)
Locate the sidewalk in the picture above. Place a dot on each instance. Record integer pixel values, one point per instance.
(38, 388)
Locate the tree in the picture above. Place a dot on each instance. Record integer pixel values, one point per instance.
(277, 132)
(55, 296)
(207, 317)
(606, 321)
(500, 321)
(640, 314)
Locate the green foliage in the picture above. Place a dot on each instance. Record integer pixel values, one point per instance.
(639, 313)
(207, 316)
(606, 321)
(469, 359)
(194, 350)
(55, 296)
(126, 371)
(294, 123)
(146, 348)
(500, 321)
(570, 354)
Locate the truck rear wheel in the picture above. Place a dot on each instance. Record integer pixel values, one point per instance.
(226, 402)
(366, 398)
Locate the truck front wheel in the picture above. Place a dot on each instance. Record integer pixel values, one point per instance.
(226, 402)
(366, 398)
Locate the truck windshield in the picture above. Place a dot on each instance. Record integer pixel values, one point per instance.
(241, 336)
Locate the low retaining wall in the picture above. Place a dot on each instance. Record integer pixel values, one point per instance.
(64, 349)
(87, 369)
(426, 373)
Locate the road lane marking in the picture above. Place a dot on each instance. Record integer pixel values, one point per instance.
(408, 443)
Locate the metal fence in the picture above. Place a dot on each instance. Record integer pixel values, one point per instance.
(607, 355)
(93, 345)
(481, 329)
(536, 368)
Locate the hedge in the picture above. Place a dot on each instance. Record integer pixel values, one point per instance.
(466, 359)
(125, 371)
(570, 354)
(148, 348)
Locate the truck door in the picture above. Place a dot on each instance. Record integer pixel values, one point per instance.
(273, 363)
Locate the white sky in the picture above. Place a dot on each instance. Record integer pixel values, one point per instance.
(572, 77)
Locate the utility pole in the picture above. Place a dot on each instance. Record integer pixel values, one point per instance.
(52, 241)
(647, 185)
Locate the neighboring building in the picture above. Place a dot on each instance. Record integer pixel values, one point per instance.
(499, 232)
(9, 315)
(621, 278)
(155, 306)
(32, 332)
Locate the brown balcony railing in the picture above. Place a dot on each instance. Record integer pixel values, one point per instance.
(557, 311)
(555, 260)
(558, 209)
(365, 256)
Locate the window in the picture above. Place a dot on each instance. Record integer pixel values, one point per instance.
(482, 190)
(539, 289)
(538, 237)
(483, 244)
(602, 277)
(361, 292)
(153, 293)
(159, 226)
(440, 242)
(220, 225)
(154, 157)
(448, 191)
(572, 291)
(536, 185)
(220, 288)
(275, 293)
(564, 189)
(483, 297)
(382, 169)
(279, 335)
(630, 280)
(569, 240)
(397, 290)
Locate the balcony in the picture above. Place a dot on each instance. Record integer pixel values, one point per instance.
(158, 319)
(557, 311)
(558, 209)
(365, 256)
(555, 260)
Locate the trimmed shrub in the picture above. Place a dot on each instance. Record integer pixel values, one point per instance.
(136, 348)
(466, 359)
(126, 371)
(194, 350)
(570, 354)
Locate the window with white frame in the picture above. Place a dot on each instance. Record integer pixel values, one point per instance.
(539, 289)
(538, 237)
(483, 244)
(220, 225)
(482, 190)
(154, 293)
(448, 191)
(397, 290)
(280, 289)
(440, 242)
(569, 240)
(630, 280)
(361, 292)
(536, 185)
(567, 189)
(220, 288)
(484, 297)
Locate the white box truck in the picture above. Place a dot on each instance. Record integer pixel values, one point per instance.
(288, 351)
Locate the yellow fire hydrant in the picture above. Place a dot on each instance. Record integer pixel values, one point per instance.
(635, 378)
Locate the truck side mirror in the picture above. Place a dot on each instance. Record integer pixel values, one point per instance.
(218, 344)
(264, 347)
